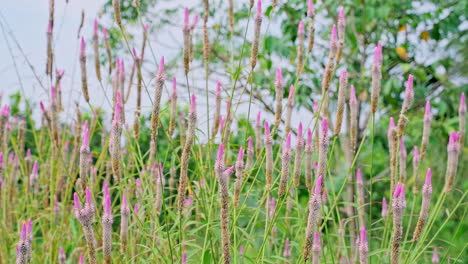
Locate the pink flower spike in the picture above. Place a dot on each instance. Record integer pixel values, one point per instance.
(334, 37)
(146, 27)
(82, 259)
(409, 92)
(324, 127)
(300, 29)
(317, 239)
(384, 207)
(35, 168)
(124, 204)
(267, 129)
(49, 28)
(310, 8)
(105, 188)
(309, 136)
(402, 148)
(193, 104)
(220, 154)
(315, 107)
(89, 198)
(184, 257)
(82, 47)
(77, 202)
(160, 75)
(241, 250)
(352, 96)
(229, 171)
(344, 75)
(291, 93)
(359, 179)
(258, 122)
(279, 78)
(249, 143)
(174, 86)
(218, 88)
(96, 26)
(186, 18)
(24, 232)
(427, 112)
(428, 181)
(240, 156)
(462, 107)
(195, 20)
(299, 131)
(378, 54)
(363, 237)
(107, 205)
(6, 111)
(258, 12)
(62, 253)
(136, 208)
(287, 146)
(396, 193)
(341, 16)
(104, 33)
(416, 155)
(318, 185)
(435, 256)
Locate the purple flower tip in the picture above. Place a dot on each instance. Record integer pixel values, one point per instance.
(184, 257)
(291, 92)
(359, 179)
(96, 26)
(279, 77)
(24, 231)
(409, 84)
(193, 104)
(76, 201)
(324, 127)
(218, 88)
(310, 8)
(317, 238)
(309, 136)
(241, 250)
(402, 148)
(258, 12)
(186, 17)
(249, 143)
(61, 252)
(161, 67)
(435, 256)
(315, 107)
(229, 170)
(378, 54)
(396, 193)
(82, 259)
(427, 112)
(89, 198)
(344, 75)
(49, 28)
(428, 180)
(363, 237)
(416, 153)
(257, 122)
(174, 86)
(220, 154)
(341, 16)
(104, 32)
(462, 107)
(287, 146)
(195, 20)
(391, 126)
(107, 205)
(299, 131)
(384, 207)
(82, 47)
(300, 29)
(334, 36)
(136, 208)
(352, 96)
(267, 128)
(240, 156)
(318, 185)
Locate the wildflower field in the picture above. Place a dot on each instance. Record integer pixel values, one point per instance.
(278, 132)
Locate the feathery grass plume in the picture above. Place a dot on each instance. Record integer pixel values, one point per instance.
(360, 197)
(85, 153)
(117, 16)
(186, 153)
(62, 258)
(105, 36)
(222, 176)
(426, 202)
(107, 220)
(462, 118)
(407, 101)
(285, 161)
(329, 69)
(97, 63)
(398, 206)
(279, 86)
(24, 246)
(298, 155)
(435, 256)
(316, 249)
(256, 40)
(84, 78)
(206, 42)
(313, 218)
(186, 32)
(217, 110)
(341, 34)
(426, 129)
(287, 249)
(268, 141)
(85, 216)
(160, 78)
(309, 150)
(115, 138)
(376, 73)
(173, 107)
(323, 149)
(311, 16)
(363, 247)
(49, 65)
(402, 162)
(239, 176)
(124, 213)
(250, 155)
(231, 14)
(342, 91)
(384, 208)
(416, 162)
(453, 153)
(258, 133)
(392, 137)
(353, 122)
(300, 47)
(289, 108)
